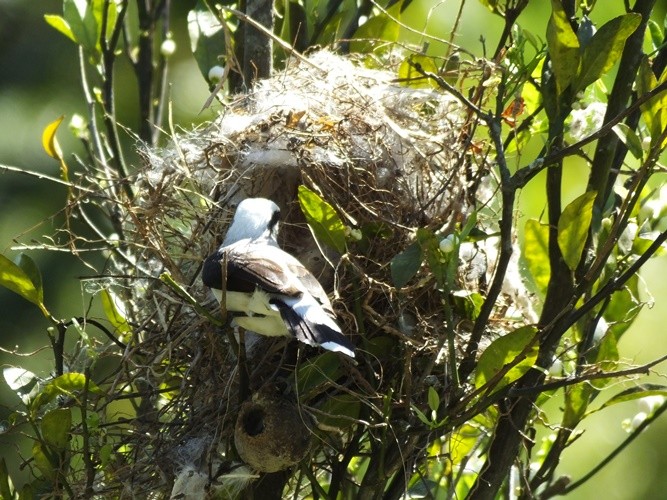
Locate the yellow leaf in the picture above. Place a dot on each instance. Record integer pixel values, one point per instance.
(49, 141)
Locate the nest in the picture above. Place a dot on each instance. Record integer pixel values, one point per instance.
(389, 159)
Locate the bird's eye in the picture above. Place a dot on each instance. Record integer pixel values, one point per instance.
(274, 219)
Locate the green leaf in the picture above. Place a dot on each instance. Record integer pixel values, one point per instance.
(563, 47)
(536, 253)
(656, 34)
(573, 226)
(335, 409)
(19, 379)
(433, 399)
(207, 38)
(405, 265)
(56, 425)
(7, 490)
(606, 358)
(315, 375)
(576, 402)
(322, 219)
(503, 351)
(630, 139)
(463, 441)
(422, 416)
(410, 77)
(430, 245)
(654, 111)
(41, 459)
(467, 304)
(111, 19)
(605, 49)
(112, 313)
(66, 385)
(60, 25)
(18, 281)
(623, 307)
(381, 27)
(80, 17)
(633, 393)
(32, 271)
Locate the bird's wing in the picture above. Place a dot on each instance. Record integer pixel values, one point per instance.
(310, 284)
(251, 265)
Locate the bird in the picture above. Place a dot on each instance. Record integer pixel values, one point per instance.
(271, 291)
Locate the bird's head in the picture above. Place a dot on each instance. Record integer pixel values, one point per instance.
(254, 218)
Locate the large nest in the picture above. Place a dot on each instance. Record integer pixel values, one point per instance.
(389, 159)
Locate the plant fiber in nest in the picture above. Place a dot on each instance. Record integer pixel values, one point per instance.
(389, 159)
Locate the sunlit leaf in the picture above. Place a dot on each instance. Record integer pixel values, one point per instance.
(32, 271)
(404, 266)
(67, 384)
(606, 359)
(462, 442)
(322, 219)
(23, 382)
(41, 459)
(111, 17)
(49, 140)
(656, 34)
(113, 314)
(467, 304)
(81, 20)
(573, 228)
(52, 148)
(15, 279)
(536, 253)
(623, 307)
(505, 350)
(576, 402)
(605, 49)
(563, 47)
(654, 111)
(56, 425)
(630, 138)
(636, 392)
(60, 24)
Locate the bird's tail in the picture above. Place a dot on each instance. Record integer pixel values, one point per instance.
(313, 332)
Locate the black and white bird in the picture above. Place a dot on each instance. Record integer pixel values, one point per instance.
(271, 290)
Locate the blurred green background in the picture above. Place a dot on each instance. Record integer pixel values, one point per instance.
(39, 81)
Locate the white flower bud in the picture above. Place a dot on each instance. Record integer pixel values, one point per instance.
(637, 420)
(447, 244)
(649, 404)
(556, 368)
(215, 74)
(168, 47)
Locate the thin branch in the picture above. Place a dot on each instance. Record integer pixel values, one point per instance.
(559, 384)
